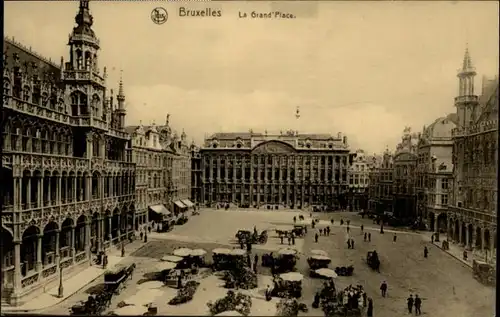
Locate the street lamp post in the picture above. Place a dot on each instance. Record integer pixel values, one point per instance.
(60, 292)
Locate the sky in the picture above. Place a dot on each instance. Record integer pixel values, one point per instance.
(366, 69)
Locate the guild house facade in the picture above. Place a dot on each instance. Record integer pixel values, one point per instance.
(472, 214)
(287, 170)
(161, 159)
(358, 182)
(67, 174)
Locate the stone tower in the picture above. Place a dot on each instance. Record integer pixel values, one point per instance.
(466, 102)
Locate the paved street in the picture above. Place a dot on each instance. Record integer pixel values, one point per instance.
(445, 284)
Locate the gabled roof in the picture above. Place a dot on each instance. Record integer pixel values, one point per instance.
(490, 109)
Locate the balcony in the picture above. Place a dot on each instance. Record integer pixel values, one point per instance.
(34, 109)
(466, 99)
(87, 121)
(41, 161)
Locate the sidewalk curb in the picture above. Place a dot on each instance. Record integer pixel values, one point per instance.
(17, 311)
(453, 256)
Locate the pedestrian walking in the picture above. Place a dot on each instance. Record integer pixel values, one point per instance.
(348, 243)
(365, 237)
(320, 232)
(465, 255)
(141, 235)
(281, 238)
(369, 309)
(362, 228)
(418, 305)
(394, 238)
(294, 219)
(409, 302)
(289, 240)
(293, 239)
(426, 252)
(316, 237)
(332, 221)
(383, 288)
(145, 238)
(348, 222)
(352, 243)
(382, 228)
(347, 228)
(341, 222)
(369, 236)
(432, 238)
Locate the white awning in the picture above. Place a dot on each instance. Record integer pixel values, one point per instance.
(187, 202)
(179, 204)
(161, 209)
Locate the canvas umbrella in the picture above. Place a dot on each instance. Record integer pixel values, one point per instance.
(164, 265)
(198, 252)
(171, 258)
(182, 252)
(229, 313)
(320, 257)
(292, 276)
(326, 273)
(238, 252)
(319, 252)
(221, 251)
(287, 251)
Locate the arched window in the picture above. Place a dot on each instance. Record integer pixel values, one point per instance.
(17, 87)
(36, 95)
(79, 106)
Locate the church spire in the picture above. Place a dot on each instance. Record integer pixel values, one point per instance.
(121, 93)
(83, 17)
(467, 63)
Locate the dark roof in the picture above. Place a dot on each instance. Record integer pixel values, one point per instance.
(27, 58)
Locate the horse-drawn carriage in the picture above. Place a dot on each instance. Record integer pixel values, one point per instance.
(114, 279)
(246, 236)
(373, 261)
(299, 230)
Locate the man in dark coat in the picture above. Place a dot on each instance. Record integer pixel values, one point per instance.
(369, 310)
(365, 237)
(394, 238)
(426, 252)
(383, 288)
(418, 305)
(369, 236)
(409, 301)
(316, 236)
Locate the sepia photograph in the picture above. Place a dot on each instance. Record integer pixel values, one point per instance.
(250, 158)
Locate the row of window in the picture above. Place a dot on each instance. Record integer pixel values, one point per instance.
(273, 159)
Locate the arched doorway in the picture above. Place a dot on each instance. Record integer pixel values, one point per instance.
(487, 238)
(28, 250)
(7, 245)
(470, 231)
(432, 219)
(65, 239)
(479, 238)
(123, 223)
(80, 234)
(463, 238)
(115, 224)
(107, 226)
(441, 222)
(49, 243)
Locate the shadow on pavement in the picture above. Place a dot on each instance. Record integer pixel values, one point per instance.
(149, 277)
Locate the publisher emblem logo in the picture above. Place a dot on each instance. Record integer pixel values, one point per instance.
(159, 15)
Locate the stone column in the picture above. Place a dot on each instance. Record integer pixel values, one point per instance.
(39, 254)
(73, 253)
(110, 227)
(59, 190)
(17, 193)
(49, 192)
(28, 194)
(40, 192)
(75, 188)
(17, 266)
(87, 239)
(460, 233)
(88, 185)
(58, 251)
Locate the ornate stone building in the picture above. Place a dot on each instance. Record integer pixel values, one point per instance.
(404, 169)
(67, 178)
(380, 189)
(180, 192)
(196, 174)
(434, 174)
(286, 170)
(157, 152)
(358, 182)
(473, 212)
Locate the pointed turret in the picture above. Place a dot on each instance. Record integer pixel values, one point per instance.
(466, 101)
(121, 104)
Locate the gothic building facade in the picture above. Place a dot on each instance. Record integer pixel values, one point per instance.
(288, 170)
(196, 174)
(67, 174)
(473, 211)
